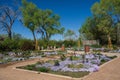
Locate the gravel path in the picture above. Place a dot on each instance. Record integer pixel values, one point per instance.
(108, 71)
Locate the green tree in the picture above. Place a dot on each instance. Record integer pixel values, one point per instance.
(105, 20)
(17, 36)
(29, 13)
(49, 24)
(86, 28)
(70, 38)
(41, 21)
(70, 43)
(112, 7)
(69, 35)
(103, 23)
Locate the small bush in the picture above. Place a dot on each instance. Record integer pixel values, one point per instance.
(30, 67)
(39, 62)
(71, 58)
(26, 45)
(103, 61)
(70, 65)
(26, 54)
(43, 55)
(43, 69)
(63, 57)
(74, 58)
(112, 57)
(8, 45)
(56, 63)
(51, 62)
(96, 46)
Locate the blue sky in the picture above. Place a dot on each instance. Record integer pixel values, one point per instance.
(72, 14)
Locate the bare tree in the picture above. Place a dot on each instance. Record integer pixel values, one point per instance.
(7, 19)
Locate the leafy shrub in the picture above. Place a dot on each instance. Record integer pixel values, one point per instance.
(96, 46)
(71, 58)
(43, 55)
(26, 45)
(103, 61)
(43, 69)
(74, 58)
(20, 53)
(63, 57)
(69, 43)
(30, 67)
(51, 62)
(39, 62)
(8, 45)
(70, 65)
(115, 47)
(112, 57)
(56, 63)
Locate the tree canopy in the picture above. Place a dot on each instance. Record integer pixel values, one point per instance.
(69, 35)
(40, 21)
(102, 25)
(49, 24)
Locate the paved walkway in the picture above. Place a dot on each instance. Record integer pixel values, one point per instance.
(108, 71)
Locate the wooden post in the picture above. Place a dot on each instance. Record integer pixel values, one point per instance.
(63, 47)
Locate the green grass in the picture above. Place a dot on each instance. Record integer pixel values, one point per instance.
(74, 58)
(28, 67)
(75, 66)
(112, 57)
(71, 74)
(33, 68)
(51, 62)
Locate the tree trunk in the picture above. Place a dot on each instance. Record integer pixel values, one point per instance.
(78, 43)
(35, 41)
(109, 42)
(10, 35)
(118, 34)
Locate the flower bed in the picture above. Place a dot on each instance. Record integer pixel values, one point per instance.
(74, 66)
